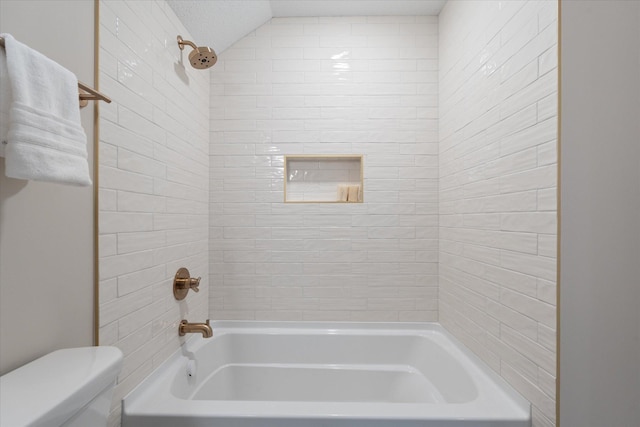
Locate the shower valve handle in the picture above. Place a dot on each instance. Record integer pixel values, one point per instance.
(191, 283)
(183, 282)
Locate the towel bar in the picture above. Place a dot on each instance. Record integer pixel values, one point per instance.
(87, 93)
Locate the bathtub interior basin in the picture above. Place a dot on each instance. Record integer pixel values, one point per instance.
(318, 383)
(263, 374)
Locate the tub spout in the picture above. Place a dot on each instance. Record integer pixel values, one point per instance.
(189, 328)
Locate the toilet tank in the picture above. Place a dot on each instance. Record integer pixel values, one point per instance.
(70, 387)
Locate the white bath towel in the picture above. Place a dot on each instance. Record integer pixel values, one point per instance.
(45, 140)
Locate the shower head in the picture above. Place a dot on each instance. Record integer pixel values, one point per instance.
(201, 57)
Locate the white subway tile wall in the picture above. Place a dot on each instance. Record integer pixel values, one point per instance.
(349, 85)
(498, 178)
(154, 186)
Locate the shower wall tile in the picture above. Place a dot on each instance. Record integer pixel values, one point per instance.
(154, 186)
(349, 85)
(497, 192)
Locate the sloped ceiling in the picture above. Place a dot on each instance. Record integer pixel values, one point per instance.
(220, 23)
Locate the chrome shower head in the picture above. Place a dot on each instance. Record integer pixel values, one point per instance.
(202, 57)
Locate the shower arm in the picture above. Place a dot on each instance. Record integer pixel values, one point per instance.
(182, 42)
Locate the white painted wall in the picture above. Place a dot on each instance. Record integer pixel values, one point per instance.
(351, 85)
(498, 127)
(600, 222)
(46, 229)
(154, 187)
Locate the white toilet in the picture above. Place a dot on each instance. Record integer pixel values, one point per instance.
(70, 387)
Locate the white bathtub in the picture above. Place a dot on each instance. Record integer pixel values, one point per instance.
(280, 374)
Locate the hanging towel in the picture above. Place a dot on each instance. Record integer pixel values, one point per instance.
(45, 141)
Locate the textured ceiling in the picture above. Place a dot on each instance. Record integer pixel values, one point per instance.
(355, 7)
(220, 23)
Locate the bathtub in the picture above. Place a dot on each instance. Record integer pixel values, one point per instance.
(281, 374)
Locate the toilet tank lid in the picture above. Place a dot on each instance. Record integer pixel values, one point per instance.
(49, 390)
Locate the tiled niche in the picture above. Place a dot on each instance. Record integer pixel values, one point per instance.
(323, 179)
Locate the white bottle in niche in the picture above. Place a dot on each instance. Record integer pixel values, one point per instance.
(354, 193)
(343, 192)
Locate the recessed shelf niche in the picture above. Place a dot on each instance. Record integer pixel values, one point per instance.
(323, 179)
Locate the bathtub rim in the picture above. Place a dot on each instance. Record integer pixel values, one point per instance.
(520, 407)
